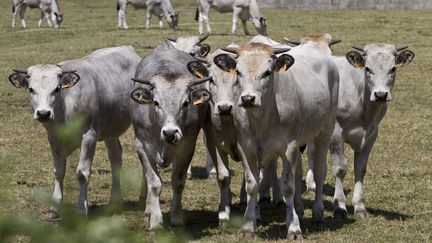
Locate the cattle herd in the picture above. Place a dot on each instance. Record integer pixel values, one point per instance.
(257, 103)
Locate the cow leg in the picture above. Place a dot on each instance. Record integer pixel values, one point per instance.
(340, 168)
(289, 159)
(88, 146)
(251, 175)
(264, 188)
(210, 167)
(245, 30)
(160, 22)
(204, 17)
(360, 163)
(59, 175)
(298, 202)
(115, 156)
(22, 11)
(122, 15)
(178, 179)
(154, 188)
(16, 10)
(149, 15)
(317, 153)
(236, 13)
(243, 196)
(41, 19)
(48, 18)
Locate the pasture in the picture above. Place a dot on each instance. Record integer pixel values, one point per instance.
(398, 184)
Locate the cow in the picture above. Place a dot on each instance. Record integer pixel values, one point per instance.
(100, 99)
(283, 104)
(49, 10)
(169, 106)
(191, 44)
(367, 78)
(243, 9)
(159, 8)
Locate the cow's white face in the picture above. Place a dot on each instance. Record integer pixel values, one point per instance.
(171, 97)
(380, 62)
(44, 83)
(260, 25)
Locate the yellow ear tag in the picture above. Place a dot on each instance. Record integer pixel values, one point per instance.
(233, 71)
(65, 86)
(399, 65)
(283, 68)
(359, 65)
(199, 74)
(197, 101)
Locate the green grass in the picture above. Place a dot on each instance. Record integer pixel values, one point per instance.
(398, 184)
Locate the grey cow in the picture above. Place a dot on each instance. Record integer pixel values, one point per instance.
(101, 98)
(168, 110)
(49, 10)
(243, 9)
(158, 8)
(283, 104)
(367, 78)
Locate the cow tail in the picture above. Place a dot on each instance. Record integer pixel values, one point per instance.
(196, 14)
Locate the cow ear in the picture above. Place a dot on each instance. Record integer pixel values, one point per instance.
(197, 69)
(198, 97)
(226, 63)
(142, 96)
(204, 50)
(404, 58)
(355, 59)
(67, 80)
(19, 80)
(283, 62)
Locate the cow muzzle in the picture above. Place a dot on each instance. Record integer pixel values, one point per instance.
(247, 101)
(43, 115)
(172, 136)
(381, 96)
(224, 109)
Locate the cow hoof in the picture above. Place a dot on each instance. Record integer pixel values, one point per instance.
(361, 214)
(318, 217)
(52, 215)
(258, 222)
(295, 236)
(264, 200)
(340, 213)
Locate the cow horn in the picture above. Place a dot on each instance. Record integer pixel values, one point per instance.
(172, 39)
(142, 81)
(280, 50)
(401, 47)
(200, 81)
(230, 50)
(20, 70)
(201, 59)
(68, 71)
(202, 38)
(358, 48)
(334, 41)
(292, 42)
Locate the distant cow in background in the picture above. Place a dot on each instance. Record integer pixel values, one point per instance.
(101, 99)
(243, 9)
(49, 10)
(159, 8)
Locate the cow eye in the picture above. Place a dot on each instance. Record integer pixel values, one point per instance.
(368, 70)
(239, 73)
(155, 103)
(185, 104)
(31, 90)
(57, 89)
(266, 74)
(392, 70)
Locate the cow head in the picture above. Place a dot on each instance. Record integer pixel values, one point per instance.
(192, 45)
(173, 19)
(379, 62)
(45, 83)
(323, 43)
(172, 97)
(254, 70)
(260, 25)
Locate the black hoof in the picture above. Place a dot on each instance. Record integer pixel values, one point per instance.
(339, 213)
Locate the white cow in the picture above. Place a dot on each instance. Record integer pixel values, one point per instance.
(243, 9)
(158, 8)
(101, 99)
(49, 10)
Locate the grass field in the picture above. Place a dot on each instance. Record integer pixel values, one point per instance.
(398, 184)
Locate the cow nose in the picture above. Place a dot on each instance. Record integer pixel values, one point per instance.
(43, 114)
(247, 100)
(171, 136)
(225, 109)
(381, 96)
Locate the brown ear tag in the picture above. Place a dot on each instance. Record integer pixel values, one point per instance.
(197, 101)
(283, 68)
(233, 71)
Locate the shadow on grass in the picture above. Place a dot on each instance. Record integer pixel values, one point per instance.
(199, 173)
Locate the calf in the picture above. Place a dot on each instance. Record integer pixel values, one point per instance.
(101, 98)
(49, 10)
